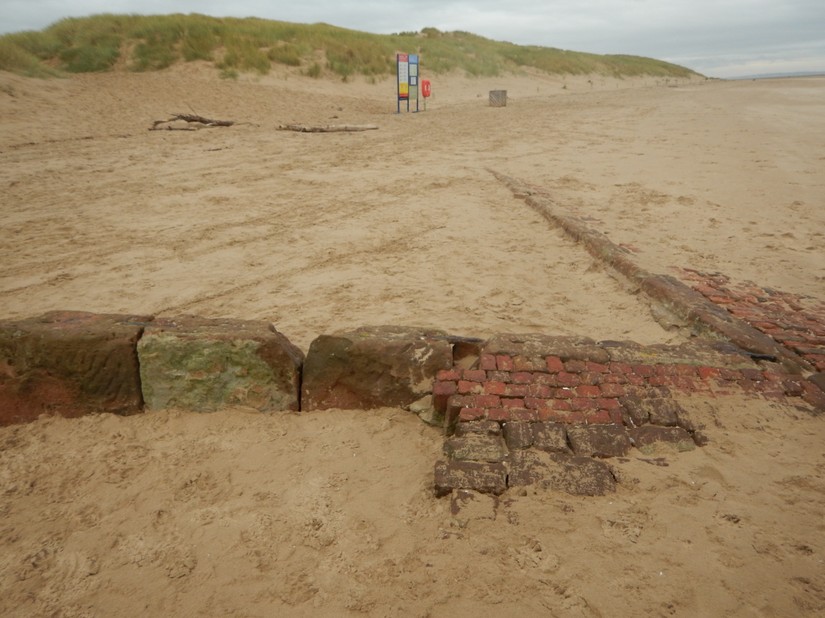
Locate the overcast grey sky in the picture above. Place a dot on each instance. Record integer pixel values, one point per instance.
(719, 38)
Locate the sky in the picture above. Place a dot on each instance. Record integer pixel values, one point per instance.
(718, 38)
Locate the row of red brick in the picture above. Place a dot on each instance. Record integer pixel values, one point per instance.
(582, 391)
(780, 315)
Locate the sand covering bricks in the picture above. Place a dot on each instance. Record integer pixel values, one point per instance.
(333, 512)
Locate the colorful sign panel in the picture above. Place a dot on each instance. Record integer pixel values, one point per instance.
(407, 79)
(403, 76)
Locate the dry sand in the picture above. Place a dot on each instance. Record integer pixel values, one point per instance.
(332, 513)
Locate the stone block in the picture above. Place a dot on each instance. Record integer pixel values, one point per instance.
(373, 367)
(488, 478)
(538, 347)
(476, 447)
(490, 428)
(518, 435)
(580, 476)
(550, 437)
(599, 440)
(639, 410)
(69, 363)
(206, 364)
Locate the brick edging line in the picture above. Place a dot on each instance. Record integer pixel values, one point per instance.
(673, 295)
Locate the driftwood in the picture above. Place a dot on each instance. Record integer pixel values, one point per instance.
(193, 123)
(329, 128)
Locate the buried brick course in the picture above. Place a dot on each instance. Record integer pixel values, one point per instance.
(793, 321)
(551, 412)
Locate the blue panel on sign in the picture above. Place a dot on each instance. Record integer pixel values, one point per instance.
(413, 58)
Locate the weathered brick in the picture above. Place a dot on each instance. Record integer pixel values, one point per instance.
(567, 379)
(484, 401)
(540, 390)
(682, 383)
(575, 366)
(484, 477)
(512, 403)
(547, 379)
(644, 371)
(448, 375)
(521, 377)
(536, 403)
(498, 376)
(813, 395)
(524, 363)
(612, 390)
(614, 378)
(469, 388)
(504, 362)
(487, 362)
(565, 393)
(441, 387)
(466, 415)
(588, 391)
(560, 416)
(598, 417)
(752, 374)
(793, 387)
(707, 373)
(730, 375)
(690, 371)
(608, 403)
(620, 368)
(474, 375)
(495, 388)
(501, 415)
(591, 377)
(596, 367)
(554, 364)
(516, 390)
(523, 414)
(658, 380)
(584, 403)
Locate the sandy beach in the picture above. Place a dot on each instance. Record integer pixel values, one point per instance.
(332, 513)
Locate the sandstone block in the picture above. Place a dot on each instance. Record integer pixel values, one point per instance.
(373, 367)
(599, 440)
(518, 435)
(476, 447)
(550, 437)
(207, 364)
(657, 410)
(580, 476)
(69, 363)
(488, 478)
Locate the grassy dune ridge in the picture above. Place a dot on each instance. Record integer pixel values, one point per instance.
(152, 42)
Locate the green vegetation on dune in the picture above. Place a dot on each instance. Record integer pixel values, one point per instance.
(147, 43)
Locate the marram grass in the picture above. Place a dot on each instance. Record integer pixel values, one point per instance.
(153, 42)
